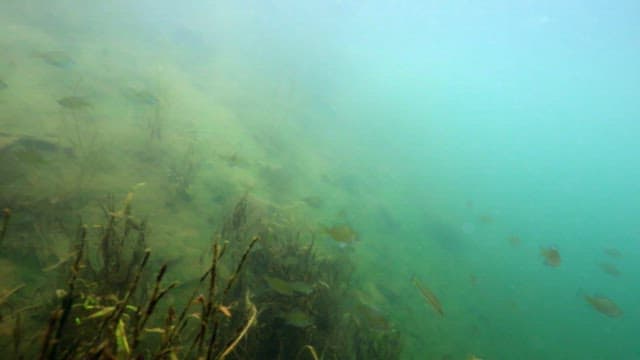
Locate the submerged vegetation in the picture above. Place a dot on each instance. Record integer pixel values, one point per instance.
(84, 276)
(267, 292)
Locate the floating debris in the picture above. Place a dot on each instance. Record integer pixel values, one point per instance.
(298, 318)
(56, 58)
(342, 233)
(551, 256)
(609, 269)
(428, 295)
(74, 102)
(615, 253)
(225, 310)
(604, 305)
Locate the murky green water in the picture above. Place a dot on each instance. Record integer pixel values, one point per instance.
(452, 143)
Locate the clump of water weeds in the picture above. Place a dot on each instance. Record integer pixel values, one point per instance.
(267, 292)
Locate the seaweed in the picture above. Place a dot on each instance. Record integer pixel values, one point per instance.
(6, 215)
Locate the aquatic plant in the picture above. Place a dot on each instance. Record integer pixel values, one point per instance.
(155, 124)
(305, 295)
(183, 169)
(106, 307)
(6, 215)
(110, 307)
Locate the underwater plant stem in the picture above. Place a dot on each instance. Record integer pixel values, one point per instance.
(155, 298)
(311, 350)
(46, 342)
(240, 264)
(217, 253)
(6, 295)
(115, 316)
(17, 334)
(252, 318)
(6, 215)
(206, 313)
(118, 312)
(181, 323)
(67, 301)
(106, 245)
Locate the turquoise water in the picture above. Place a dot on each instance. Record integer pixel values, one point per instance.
(438, 130)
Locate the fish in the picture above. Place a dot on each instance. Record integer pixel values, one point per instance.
(604, 305)
(74, 102)
(551, 256)
(473, 279)
(58, 59)
(451, 238)
(485, 218)
(609, 269)
(297, 318)
(615, 253)
(141, 96)
(301, 287)
(278, 285)
(514, 240)
(342, 233)
(373, 318)
(313, 201)
(428, 295)
(28, 156)
(288, 288)
(3, 85)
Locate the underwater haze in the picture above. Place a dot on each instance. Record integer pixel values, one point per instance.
(477, 161)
